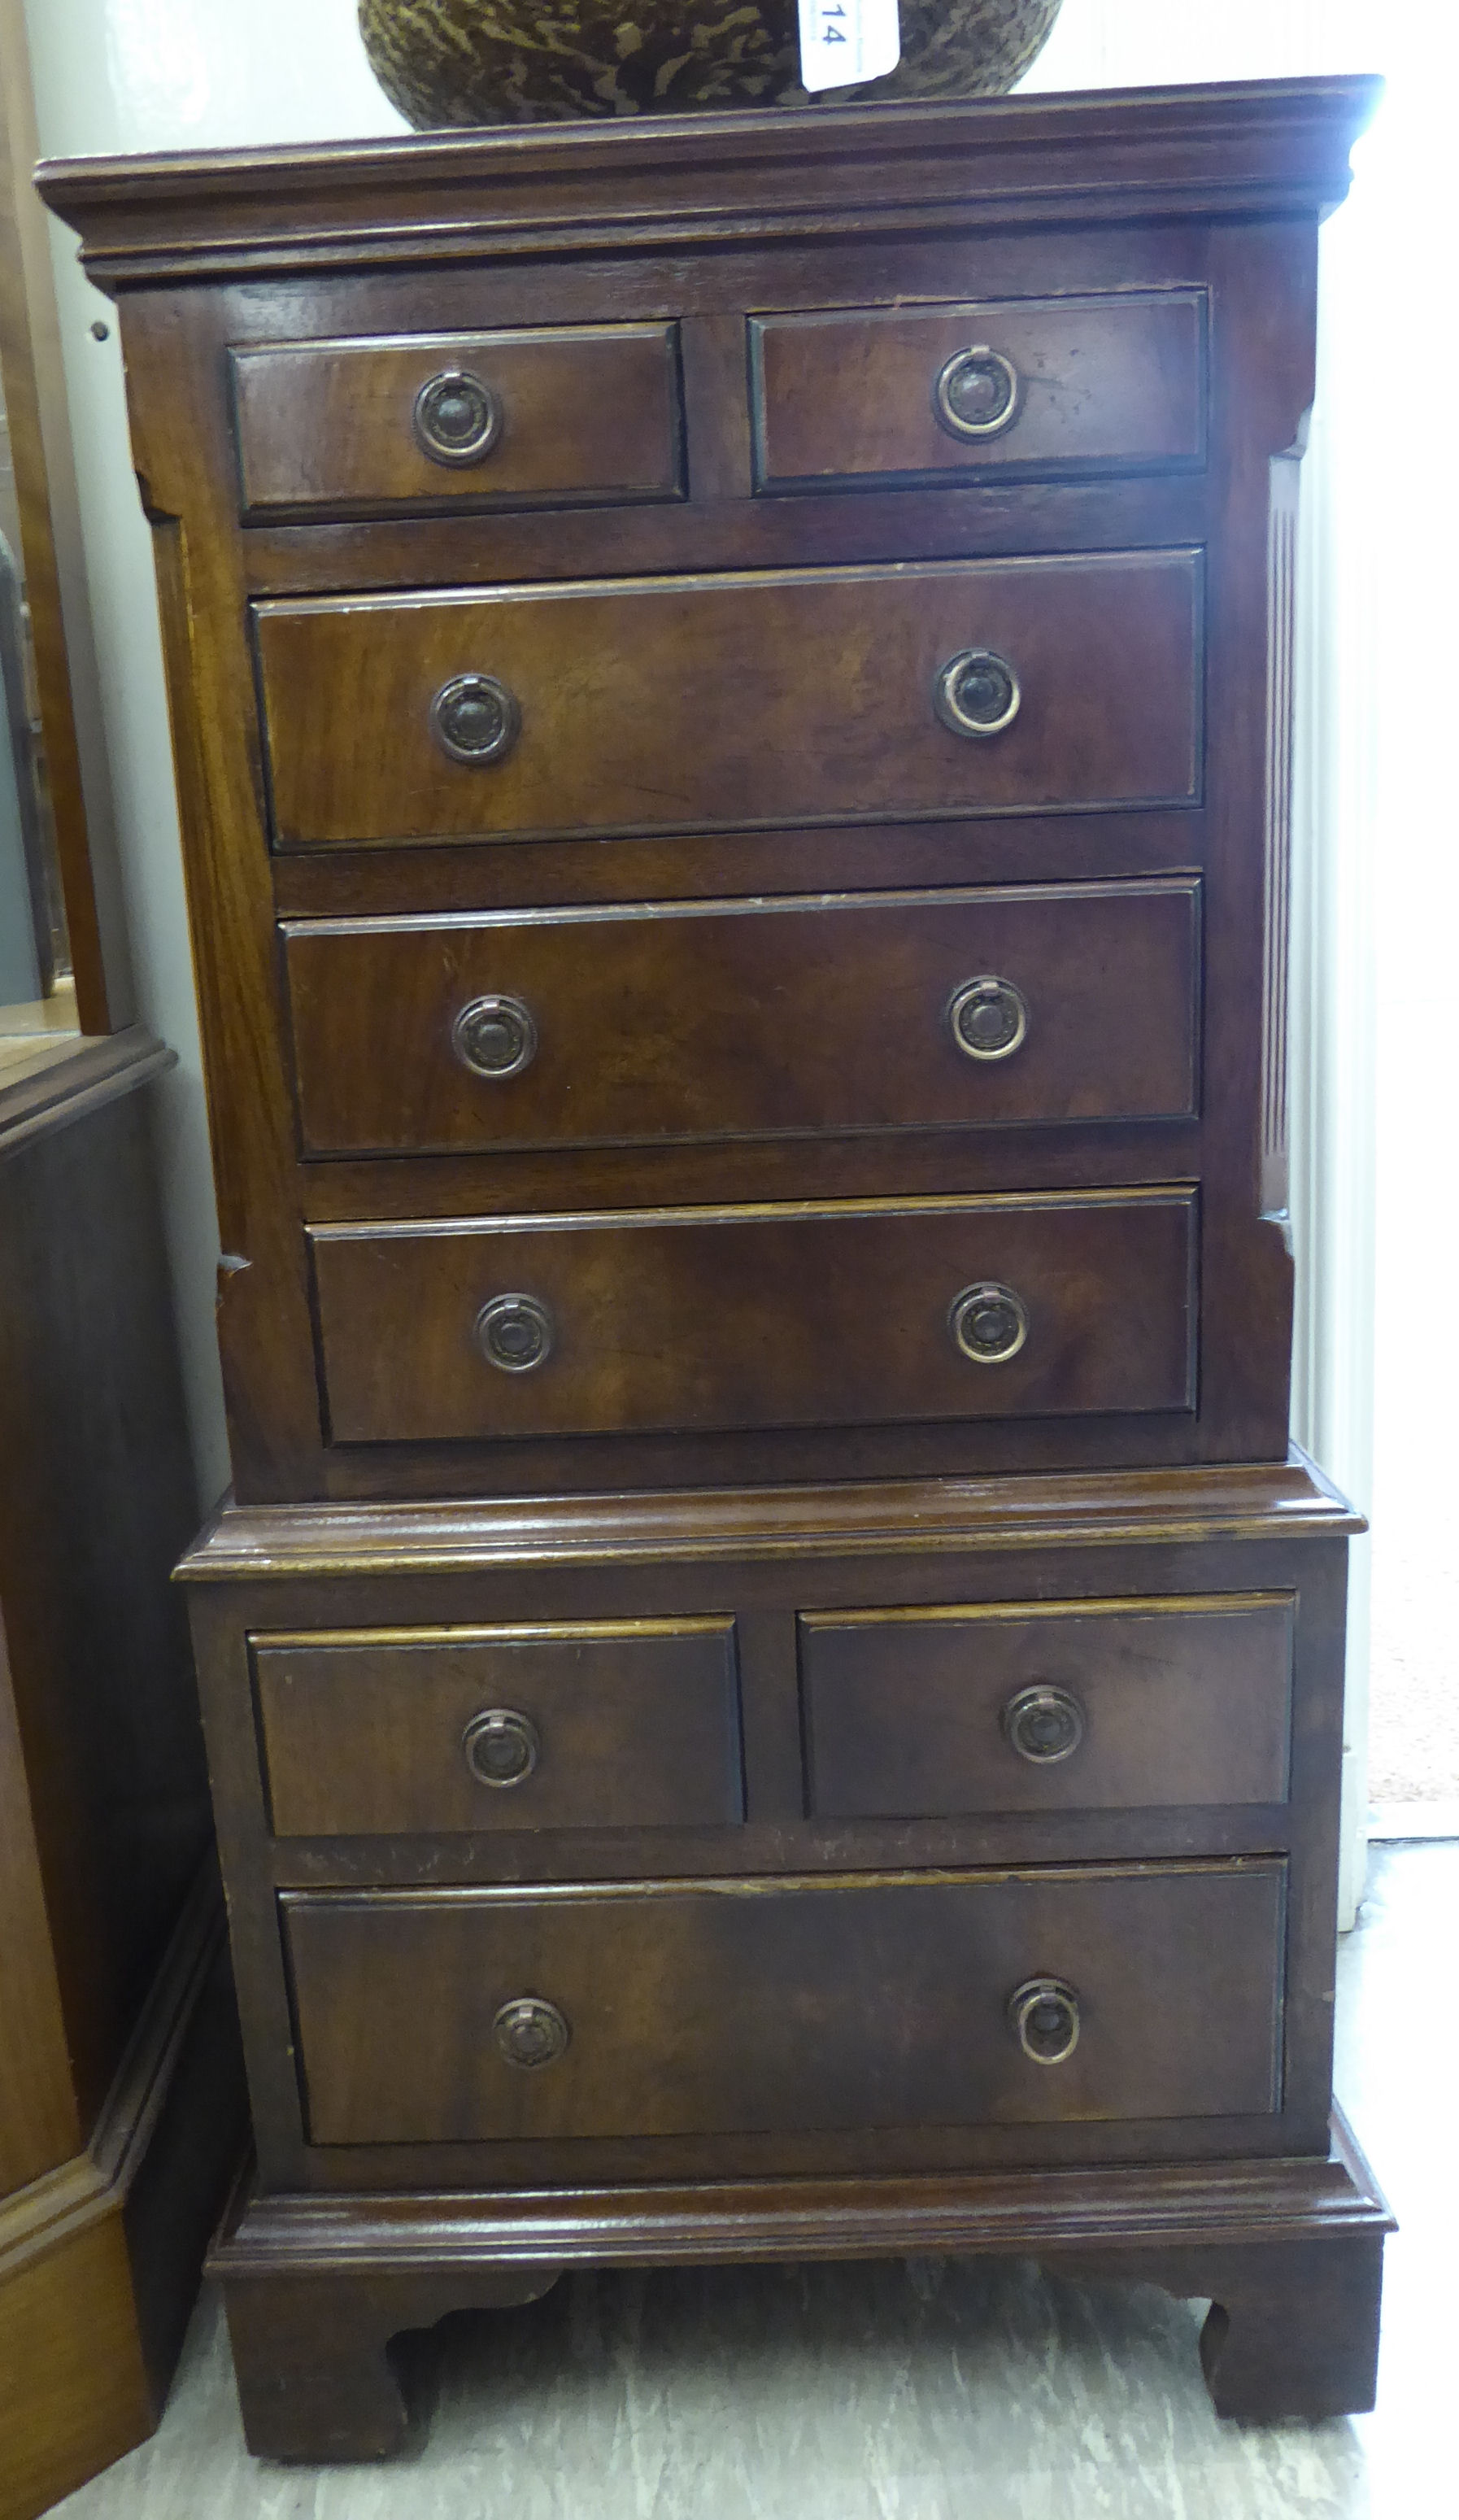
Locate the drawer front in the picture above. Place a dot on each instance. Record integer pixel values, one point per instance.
(1047, 1706)
(663, 703)
(691, 2008)
(695, 1319)
(1067, 384)
(1065, 1003)
(453, 418)
(627, 1725)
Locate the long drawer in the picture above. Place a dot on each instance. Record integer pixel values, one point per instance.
(1047, 1706)
(759, 1317)
(621, 1724)
(950, 687)
(696, 2008)
(568, 1027)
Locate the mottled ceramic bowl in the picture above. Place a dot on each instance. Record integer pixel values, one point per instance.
(469, 62)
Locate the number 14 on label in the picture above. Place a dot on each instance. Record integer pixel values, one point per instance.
(845, 42)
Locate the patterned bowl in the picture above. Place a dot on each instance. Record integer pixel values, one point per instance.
(469, 62)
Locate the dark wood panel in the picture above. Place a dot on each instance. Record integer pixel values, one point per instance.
(689, 1319)
(97, 1500)
(591, 412)
(1144, 1704)
(627, 1725)
(802, 694)
(746, 1018)
(1064, 1517)
(846, 857)
(1277, 148)
(40, 2125)
(1288, 2253)
(942, 517)
(1091, 382)
(757, 1554)
(743, 2005)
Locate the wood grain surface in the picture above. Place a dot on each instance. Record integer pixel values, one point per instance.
(1185, 1700)
(636, 1723)
(748, 1019)
(1119, 380)
(716, 2007)
(758, 1317)
(739, 700)
(587, 412)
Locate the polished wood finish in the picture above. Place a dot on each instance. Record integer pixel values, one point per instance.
(1270, 149)
(596, 1162)
(749, 1020)
(638, 1722)
(99, 2260)
(762, 1559)
(673, 1319)
(121, 2107)
(586, 412)
(1118, 381)
(98, 1498)
(800, 695)
(40, 2125)
(725, 2007)
(1156, 208)
(1287, 1501)
(74, 2392)
(1180, 1702)
(1289, 2249)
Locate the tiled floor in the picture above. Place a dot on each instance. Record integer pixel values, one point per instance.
(929, 2391)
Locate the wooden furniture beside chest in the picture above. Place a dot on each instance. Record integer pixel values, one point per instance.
(771, 1685)
(121, 2087)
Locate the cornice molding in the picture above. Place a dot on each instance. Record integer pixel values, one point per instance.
(1270, 148)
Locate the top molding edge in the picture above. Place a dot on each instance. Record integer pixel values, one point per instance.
(1274, 1501)
(1267, 149)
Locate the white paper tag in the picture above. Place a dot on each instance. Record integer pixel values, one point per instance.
(845, 42)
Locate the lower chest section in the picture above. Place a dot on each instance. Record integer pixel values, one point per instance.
(889, 1850)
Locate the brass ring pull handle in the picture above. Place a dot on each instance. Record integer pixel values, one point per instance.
(1044, 2017)
(456, 419)
(989, 1018)
(989, 1322)
(530, 2032)
(977, 694)
(514, 1332)
(1044, 1725)
(495, 1037)
(501, 1747)
(975, 395)
(476, 719)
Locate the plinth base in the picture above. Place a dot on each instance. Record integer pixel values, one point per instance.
(1288, 2253)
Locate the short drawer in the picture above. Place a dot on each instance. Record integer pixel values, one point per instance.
(805, 695)
(1047, 1706)
(629, 1724)
(1061, 385)
(447, 419)
(684, 2008)
(735, 1019)
(758, 1317)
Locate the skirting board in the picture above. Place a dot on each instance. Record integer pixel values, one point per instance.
(99, 2260)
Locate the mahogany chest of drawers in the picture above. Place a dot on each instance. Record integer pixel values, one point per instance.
(771, 1685)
